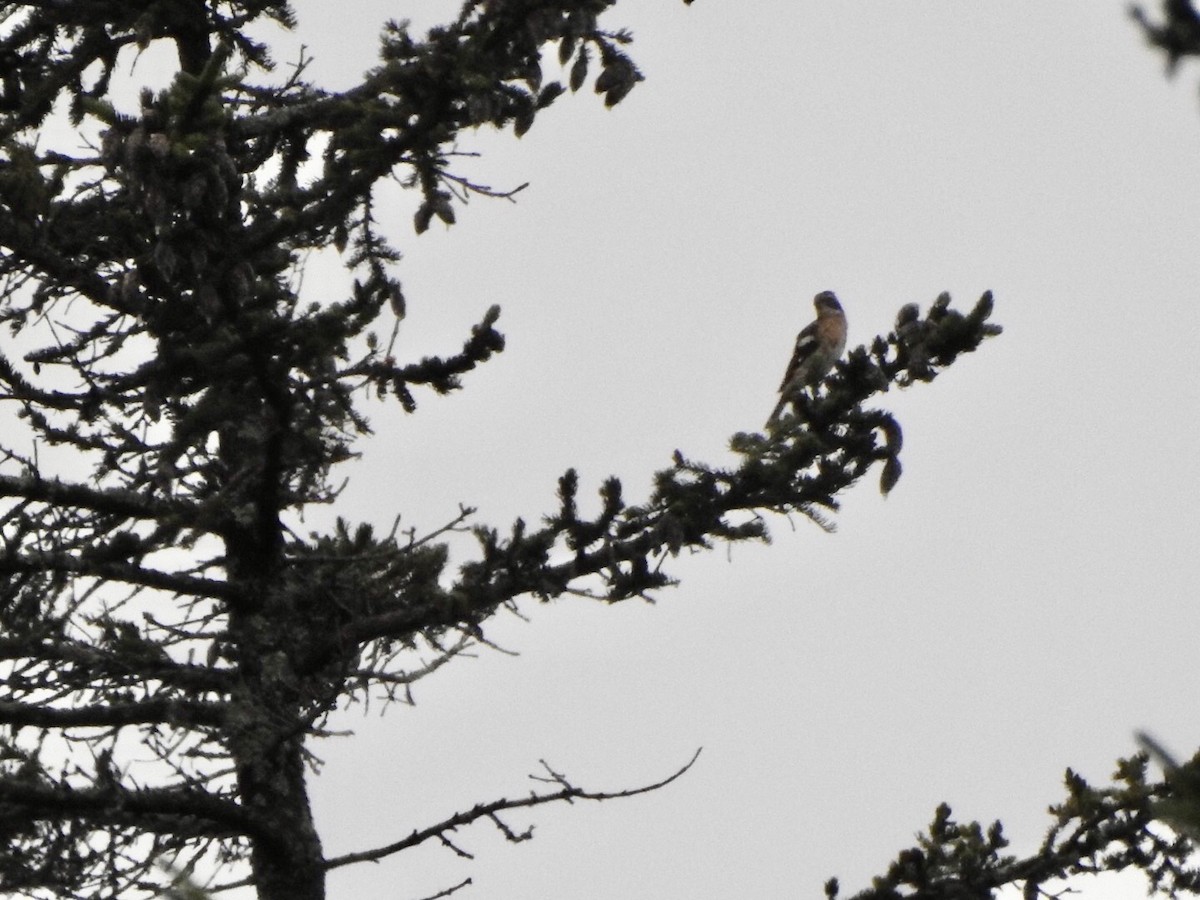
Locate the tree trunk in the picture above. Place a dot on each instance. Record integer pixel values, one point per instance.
(267, 746)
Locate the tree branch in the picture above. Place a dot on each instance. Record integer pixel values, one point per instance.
(158, 810)
(62, 653)
(568, 793)
(801, 466)
(109, 500)
(166, 712)
(122, 573)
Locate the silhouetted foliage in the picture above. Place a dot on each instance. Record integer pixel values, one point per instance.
(1177, 34)
(1094, 830)
(173, 406)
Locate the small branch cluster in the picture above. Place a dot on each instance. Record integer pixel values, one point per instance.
(1177, 34)
(1095, 830)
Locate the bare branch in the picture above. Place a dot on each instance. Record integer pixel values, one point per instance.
(448, 891)
(488, 810)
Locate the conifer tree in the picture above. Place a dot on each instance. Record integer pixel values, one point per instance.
(171, 406)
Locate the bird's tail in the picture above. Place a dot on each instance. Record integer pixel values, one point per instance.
(777, 411)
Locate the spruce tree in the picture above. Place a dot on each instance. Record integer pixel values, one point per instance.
(172, 405)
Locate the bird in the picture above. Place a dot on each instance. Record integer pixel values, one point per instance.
(818, 346)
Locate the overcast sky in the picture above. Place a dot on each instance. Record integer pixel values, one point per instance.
(1023, 601)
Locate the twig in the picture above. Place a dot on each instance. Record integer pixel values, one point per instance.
(488, 810)
(450, 890)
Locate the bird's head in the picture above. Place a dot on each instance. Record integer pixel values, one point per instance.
(827, 302)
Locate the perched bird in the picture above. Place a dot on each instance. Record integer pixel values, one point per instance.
(818, 347)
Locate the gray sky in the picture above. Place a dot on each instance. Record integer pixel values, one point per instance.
(1022, 602)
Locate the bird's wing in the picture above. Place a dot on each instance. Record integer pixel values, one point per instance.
(805, 342)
